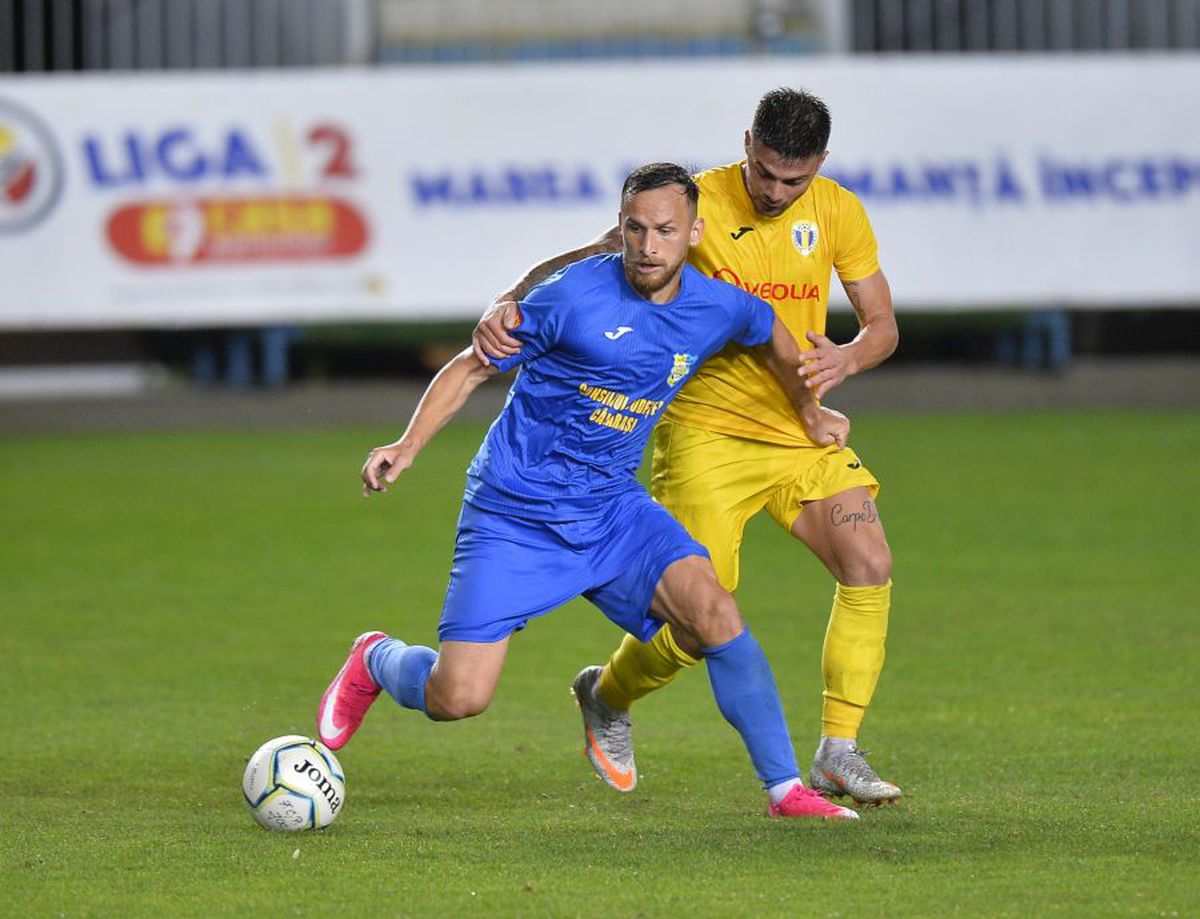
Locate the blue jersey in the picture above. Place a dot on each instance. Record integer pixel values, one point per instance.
(598, 365)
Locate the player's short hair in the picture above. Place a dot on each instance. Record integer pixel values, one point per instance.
(793, 123)
(660, 175)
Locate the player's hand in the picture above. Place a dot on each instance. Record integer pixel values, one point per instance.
(491, 338)
(825, 365)
(383, 467)
(827, 427)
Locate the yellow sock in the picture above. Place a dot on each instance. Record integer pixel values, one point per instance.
(853, 655)
(638, 668)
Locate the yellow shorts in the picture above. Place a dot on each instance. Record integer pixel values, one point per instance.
(714, 483)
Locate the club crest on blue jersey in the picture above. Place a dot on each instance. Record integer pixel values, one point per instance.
(805, 236)
(681, 368)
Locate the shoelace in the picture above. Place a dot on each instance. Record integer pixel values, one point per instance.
(858, 765)
(614, 729)
(617, 728)
(803, 791)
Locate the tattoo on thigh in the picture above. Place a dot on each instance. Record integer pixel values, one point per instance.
(840, 516)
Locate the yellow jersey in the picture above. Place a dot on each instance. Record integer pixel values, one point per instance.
(787, 261)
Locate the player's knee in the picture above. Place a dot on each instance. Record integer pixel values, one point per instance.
(455, 703)
(716, 619)
(868, 568)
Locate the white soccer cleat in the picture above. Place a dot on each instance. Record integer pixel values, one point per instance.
(607, 733)
(841, 769)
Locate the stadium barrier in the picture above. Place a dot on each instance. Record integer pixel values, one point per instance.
(256, 198)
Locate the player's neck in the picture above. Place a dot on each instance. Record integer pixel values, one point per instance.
(667, 293)
(747, 198)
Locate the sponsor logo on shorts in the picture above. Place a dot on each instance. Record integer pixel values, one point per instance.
(31, 173)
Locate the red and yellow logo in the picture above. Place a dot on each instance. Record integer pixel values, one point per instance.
(17, 170)
(234, 230)
(30, 170)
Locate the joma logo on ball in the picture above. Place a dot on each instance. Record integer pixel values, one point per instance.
(324, 786)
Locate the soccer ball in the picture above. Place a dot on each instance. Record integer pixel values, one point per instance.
(294, 783)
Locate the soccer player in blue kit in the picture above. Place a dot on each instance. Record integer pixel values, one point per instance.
(553, 509)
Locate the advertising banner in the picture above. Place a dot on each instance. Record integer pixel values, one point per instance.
(244, 198)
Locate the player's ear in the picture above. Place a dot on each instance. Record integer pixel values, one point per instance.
(746, 142)
(697, 232)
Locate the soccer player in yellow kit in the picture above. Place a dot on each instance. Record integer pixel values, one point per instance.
(730, 445)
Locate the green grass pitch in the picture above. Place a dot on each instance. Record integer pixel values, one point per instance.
(170, 601)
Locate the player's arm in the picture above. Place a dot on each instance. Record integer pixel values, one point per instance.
(445, 395)
(824, 426)
(491, 338)
(828, 363)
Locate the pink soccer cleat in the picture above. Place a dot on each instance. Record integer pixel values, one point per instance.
(804, 802)
(348, 697)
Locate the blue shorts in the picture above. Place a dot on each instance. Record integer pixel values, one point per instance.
(508, 570)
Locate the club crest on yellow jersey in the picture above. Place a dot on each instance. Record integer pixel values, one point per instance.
(680, 369)
(805, 236)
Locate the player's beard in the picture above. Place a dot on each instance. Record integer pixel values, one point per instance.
(649, 284)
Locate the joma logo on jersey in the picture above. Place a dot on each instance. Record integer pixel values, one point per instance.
(805, 236)
(681, 368)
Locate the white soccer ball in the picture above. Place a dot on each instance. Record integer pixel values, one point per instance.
(294, 783)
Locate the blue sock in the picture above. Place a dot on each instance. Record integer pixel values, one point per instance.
(402, 670)
(745, 691)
